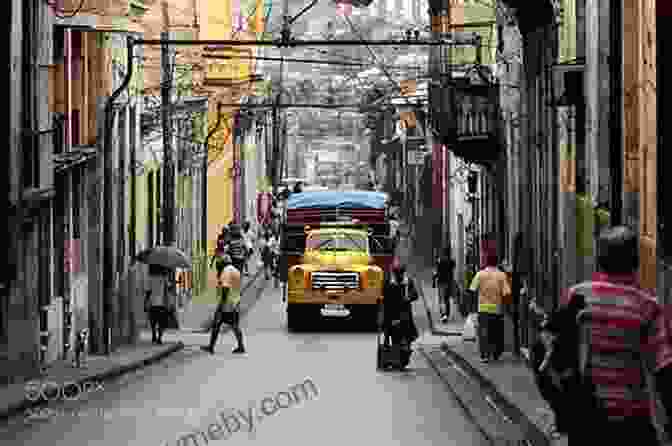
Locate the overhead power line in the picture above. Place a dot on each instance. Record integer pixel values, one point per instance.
(292, 43)
(279, 59)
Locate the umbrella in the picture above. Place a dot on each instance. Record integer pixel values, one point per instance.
(166, 256)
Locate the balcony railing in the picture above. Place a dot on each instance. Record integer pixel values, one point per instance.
(476, 117)
(478, 124)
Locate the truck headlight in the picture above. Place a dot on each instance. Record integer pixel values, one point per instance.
(374, 278)
(299, 278)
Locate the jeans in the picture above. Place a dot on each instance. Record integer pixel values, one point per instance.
(490, 335)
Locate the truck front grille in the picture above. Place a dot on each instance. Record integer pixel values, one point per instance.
(334, 280)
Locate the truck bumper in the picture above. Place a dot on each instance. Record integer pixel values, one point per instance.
(340, 297)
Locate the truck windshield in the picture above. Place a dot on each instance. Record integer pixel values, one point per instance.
(337, 242)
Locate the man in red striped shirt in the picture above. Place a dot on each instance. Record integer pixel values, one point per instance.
(624, 330)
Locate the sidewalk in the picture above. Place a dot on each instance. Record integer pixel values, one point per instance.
(14, 397)
(508, 384)
(197, 313)
(423, 278)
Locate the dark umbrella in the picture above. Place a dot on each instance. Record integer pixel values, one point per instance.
(166, 256)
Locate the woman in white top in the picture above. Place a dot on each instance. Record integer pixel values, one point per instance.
(155, 301)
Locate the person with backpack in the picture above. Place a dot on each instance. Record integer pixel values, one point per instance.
(605, 356)
(228, 308)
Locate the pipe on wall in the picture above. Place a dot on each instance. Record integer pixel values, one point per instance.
(108, 239)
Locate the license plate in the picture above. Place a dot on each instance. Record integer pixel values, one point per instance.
(335, 310)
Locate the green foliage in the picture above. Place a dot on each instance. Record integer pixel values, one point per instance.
(199, 125)
(480, 11)
(184, 80)
(585, 224)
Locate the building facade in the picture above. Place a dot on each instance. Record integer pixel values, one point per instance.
(65, 76)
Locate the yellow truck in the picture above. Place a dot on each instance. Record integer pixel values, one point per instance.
(335, 251)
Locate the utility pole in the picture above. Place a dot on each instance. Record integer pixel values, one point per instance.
(167, 126)
(443, 119)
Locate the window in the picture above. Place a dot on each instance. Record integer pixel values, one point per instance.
(337, 242)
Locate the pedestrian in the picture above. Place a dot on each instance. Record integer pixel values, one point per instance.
(394, 229)
(228, 308)
(248, 240)
(606, 354)
(268, 251)
(220, 249)
(493, 290)
(236, 248)
(399, 294)
(156, 293)
(444, 280)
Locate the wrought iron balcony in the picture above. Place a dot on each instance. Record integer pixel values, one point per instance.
(478, 124)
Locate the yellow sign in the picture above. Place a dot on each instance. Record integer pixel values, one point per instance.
(234, 69)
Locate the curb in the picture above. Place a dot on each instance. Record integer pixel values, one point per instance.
(469, 414)
(105, 375)
(533, 435)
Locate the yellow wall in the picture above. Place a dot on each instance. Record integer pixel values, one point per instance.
(216, 19)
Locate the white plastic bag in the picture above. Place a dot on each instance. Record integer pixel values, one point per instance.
(470, 327)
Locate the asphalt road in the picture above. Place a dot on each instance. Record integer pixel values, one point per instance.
(290, 388)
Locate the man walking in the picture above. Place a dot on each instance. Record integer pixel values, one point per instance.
(625, 342)
(228, 309)
(444, 278)
(493, 290)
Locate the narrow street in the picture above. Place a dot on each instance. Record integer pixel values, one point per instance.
(350, 402)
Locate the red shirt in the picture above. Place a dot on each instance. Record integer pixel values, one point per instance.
(620, 309)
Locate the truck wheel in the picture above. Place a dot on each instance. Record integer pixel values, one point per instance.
(368, 317)
(293, 317)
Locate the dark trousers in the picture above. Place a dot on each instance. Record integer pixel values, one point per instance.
(230, 318)
(490, 335)
(590, 433)
(157, 320)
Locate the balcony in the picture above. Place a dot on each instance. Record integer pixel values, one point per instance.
(478, 125)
